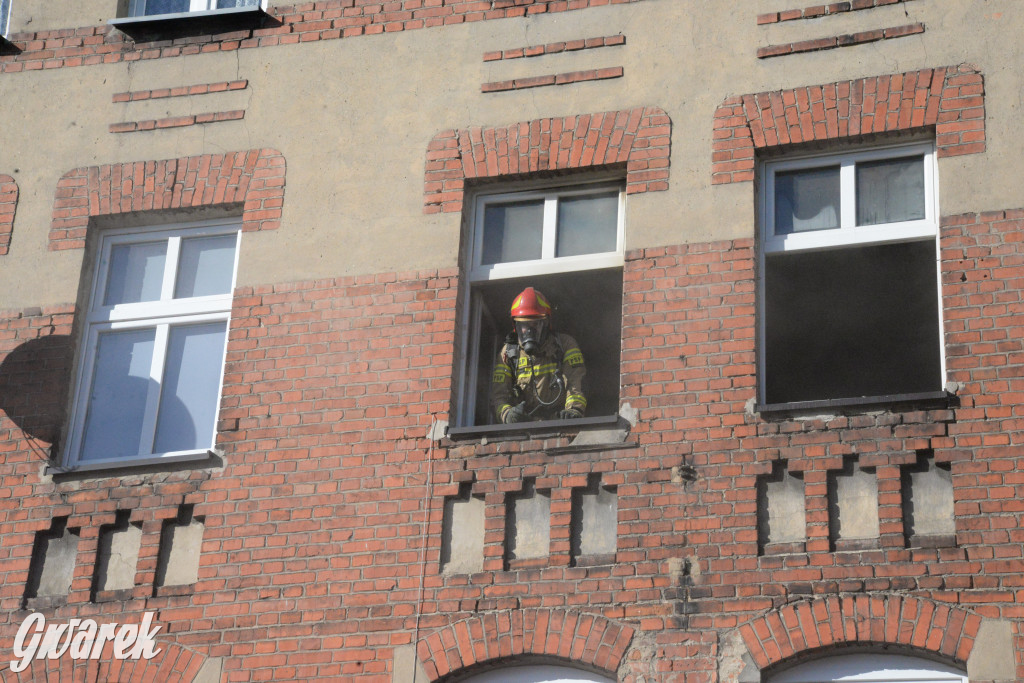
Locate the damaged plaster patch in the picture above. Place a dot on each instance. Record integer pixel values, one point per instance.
(438, 430)
(734, 662)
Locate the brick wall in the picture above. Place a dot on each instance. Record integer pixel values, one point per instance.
(324, 524)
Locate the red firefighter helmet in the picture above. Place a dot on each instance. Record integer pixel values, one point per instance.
(531, 304)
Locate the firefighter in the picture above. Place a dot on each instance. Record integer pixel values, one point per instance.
(539, 374)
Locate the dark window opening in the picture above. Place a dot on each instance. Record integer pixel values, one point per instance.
(851, 322)
(587, 305)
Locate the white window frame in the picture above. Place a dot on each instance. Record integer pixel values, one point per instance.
(5, 17)
(137, 8)
(548, 264)
(848, 234)
(158, 315)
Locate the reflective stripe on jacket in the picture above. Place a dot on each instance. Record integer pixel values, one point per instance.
(547, 383)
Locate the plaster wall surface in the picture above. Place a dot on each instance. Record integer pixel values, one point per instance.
(353, 118)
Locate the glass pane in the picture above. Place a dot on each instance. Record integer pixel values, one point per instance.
(806, 200)
(512, 232)
(587, 225)
(166, 6)
(117, 399)
(225, 4)
(5, 8)
(136, 273)
(890, 191)
(205, 266)
(188, 398)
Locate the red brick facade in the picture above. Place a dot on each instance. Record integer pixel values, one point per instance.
(323, 527)
(326, 501)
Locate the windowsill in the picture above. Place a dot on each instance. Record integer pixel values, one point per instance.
(526, 430)
(166, 26)
(773, 409)
(189, 459)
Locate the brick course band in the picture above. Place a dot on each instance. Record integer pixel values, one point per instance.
(555, 48)
(330, 20)
(842, 40)
(180, 91)
(177, 121)
(553, 79)
(866, 619)
(639, 137)
(816, 11)
(585, 638)
(255, 179)
(8, 204)
(950, 99)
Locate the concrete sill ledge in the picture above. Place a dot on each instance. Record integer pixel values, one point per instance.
(939, 398)
(531, 430)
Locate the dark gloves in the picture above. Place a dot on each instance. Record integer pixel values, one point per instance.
(514, 414)
(569, 414)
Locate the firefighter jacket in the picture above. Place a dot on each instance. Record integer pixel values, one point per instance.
(547, 383)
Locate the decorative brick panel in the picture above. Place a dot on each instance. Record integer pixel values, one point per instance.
(181, 91)
(177, 121)
(816, 11)
(588, 639)
(910, 622)
(841, 40)
(555, 48)
(950, 99)
(255, 179)
(639, 138)
(8, 204)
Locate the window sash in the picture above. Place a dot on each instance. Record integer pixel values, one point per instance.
(472, 347)
(5, 16)
(138, 7)
(548, 262)
(848, 232)
(160, 316)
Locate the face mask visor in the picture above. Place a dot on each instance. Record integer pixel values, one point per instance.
(531, 333)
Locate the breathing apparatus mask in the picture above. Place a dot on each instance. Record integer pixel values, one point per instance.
(531, 332)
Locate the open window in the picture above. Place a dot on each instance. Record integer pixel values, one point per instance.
(849, 280)
(566, 241)
(161, 19)
(140, 8)
(153, 344)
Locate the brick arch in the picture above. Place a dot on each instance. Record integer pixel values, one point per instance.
(254, 178)
(640, 138)
(585, 639)
(8, 202)
(913, 623)
(949, 99)
(173, 664)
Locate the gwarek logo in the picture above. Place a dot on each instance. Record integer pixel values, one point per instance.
(82, 639)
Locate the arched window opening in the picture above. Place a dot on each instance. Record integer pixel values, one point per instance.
(870, 668)
(537, 673)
